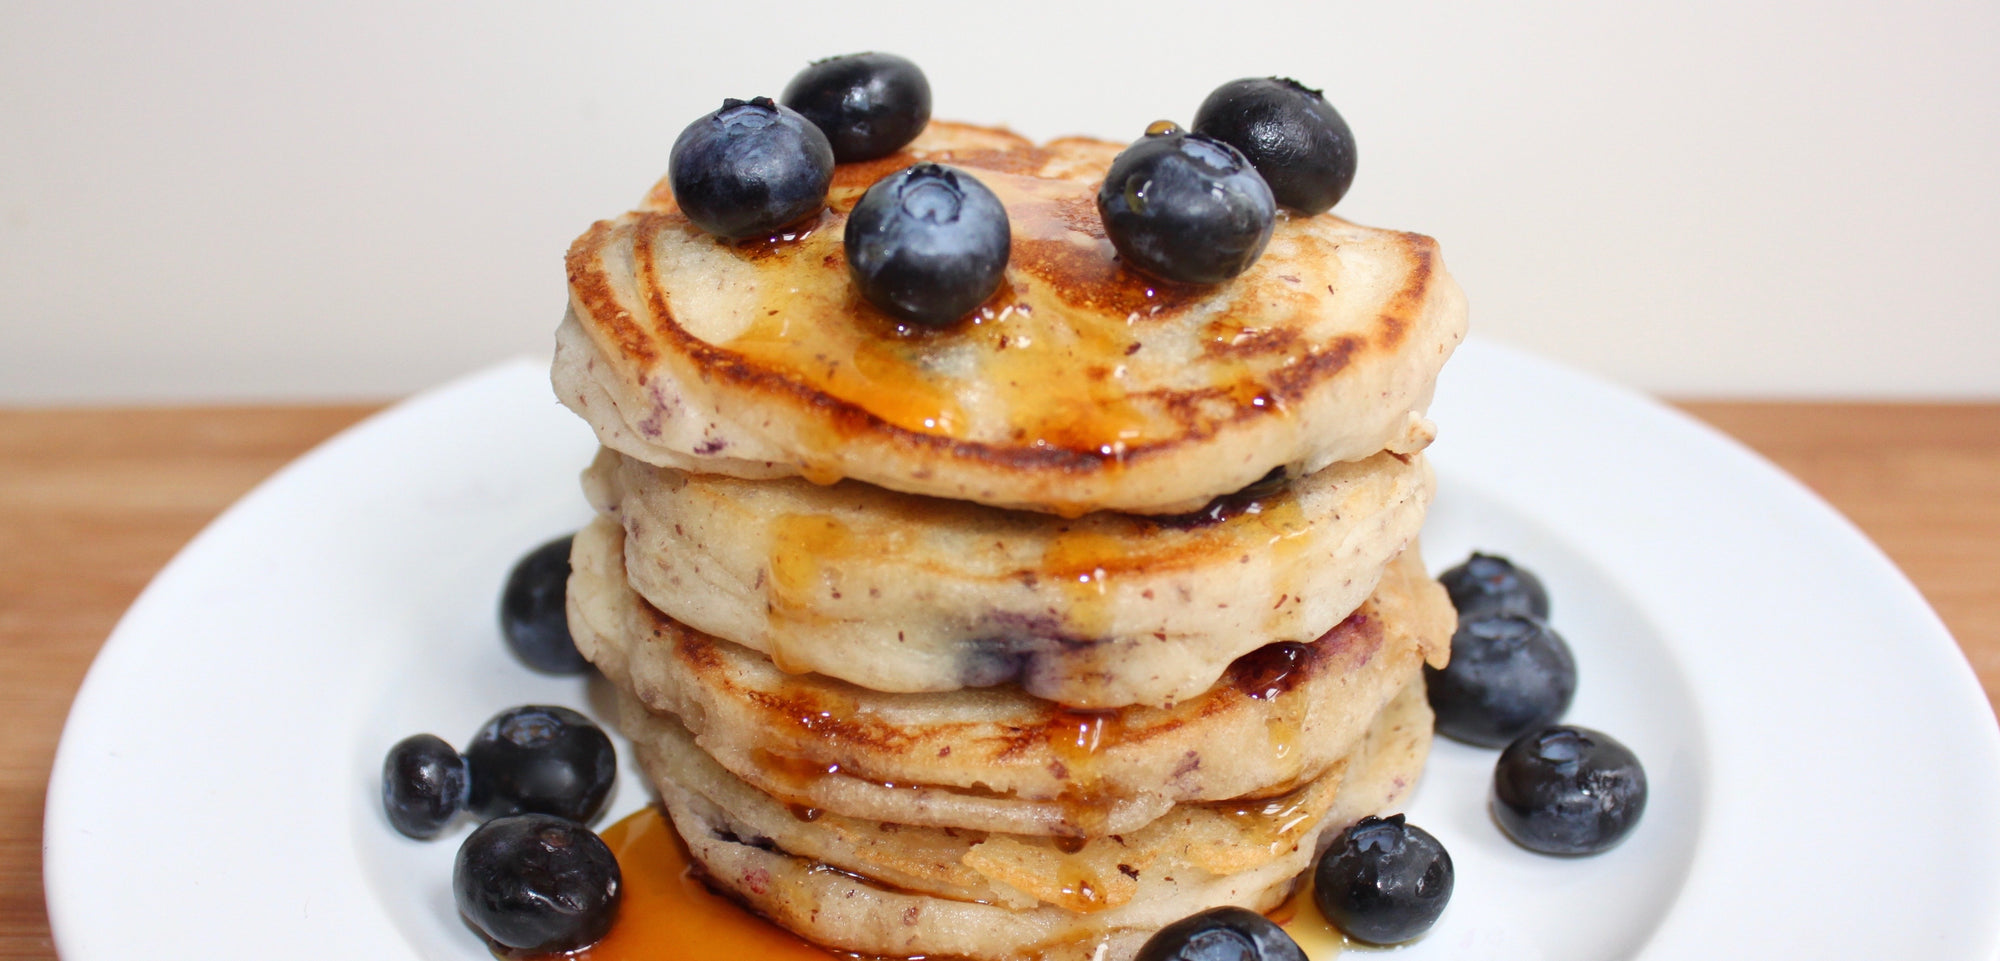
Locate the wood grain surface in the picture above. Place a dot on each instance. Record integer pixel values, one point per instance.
(93, 503)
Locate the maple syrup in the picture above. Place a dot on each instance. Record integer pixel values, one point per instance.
(1047, 360)
(1285, 523)
(1077, 890)
(1082, 562)
(666, 912)
(1301, 919)
(1078, 739)
(805, 552)
(1275, 821)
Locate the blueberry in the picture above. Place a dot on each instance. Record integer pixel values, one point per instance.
(928, 244)
(1568, 790)
(1488, 583)
(537, 884)
(1221, 934)
(749, 169)
(1288, 130)
(1383, 880)
(868, 104)
(423, 785)
(1186, 207)
(1508, 674)
(539, 759)
(532, 614)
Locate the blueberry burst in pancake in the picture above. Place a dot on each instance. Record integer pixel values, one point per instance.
(1080, 385)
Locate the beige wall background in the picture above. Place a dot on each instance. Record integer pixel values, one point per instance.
(210, 200)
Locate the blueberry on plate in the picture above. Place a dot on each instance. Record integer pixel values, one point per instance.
(1186, 207)
(539, 759)
(1486, 583)
(423, 785)
(749, 169)
(1383, 880)
(1568, 790)
(927, 244)
(537, 884)
(1221, 934)
(1509, 673)
(868, 104)
(532, 613)
(1288, 130)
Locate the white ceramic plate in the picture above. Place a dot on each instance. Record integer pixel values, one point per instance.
(1825, 771)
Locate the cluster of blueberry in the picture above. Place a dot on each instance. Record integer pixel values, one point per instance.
(1198, 207)
(1557, 789)
(929, 243)
(532, 877)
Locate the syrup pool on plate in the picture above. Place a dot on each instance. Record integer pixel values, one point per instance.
(668, 913)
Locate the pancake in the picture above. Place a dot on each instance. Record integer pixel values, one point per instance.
(997, 758)
(847, 911)
(1079, 386)
(895, 592)
(1191, 841)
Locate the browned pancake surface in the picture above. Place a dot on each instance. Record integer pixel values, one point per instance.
(1079, 385)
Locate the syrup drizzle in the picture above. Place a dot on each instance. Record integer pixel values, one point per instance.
(666, 912)
(1079, 740)
(1050, 360)
(805, 550)
(1301, 919)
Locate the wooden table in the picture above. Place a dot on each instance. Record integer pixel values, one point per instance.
(92, 503)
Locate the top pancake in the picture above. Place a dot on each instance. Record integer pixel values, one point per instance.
(1079, 386)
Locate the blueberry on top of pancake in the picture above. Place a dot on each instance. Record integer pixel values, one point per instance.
(1079, 385)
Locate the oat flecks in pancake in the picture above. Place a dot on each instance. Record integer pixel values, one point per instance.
(1079, 386)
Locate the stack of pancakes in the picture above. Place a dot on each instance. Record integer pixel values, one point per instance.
(1025, 637)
